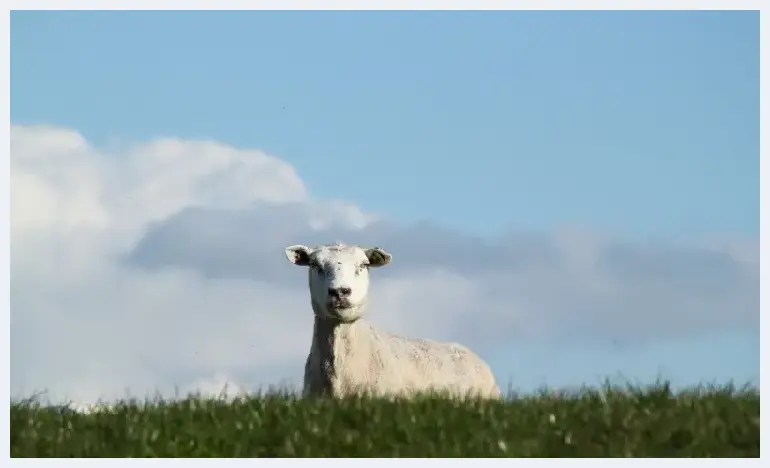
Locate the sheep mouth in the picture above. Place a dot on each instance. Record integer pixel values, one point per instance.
(341, 314)
(339, 306)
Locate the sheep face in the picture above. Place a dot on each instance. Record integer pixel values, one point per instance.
(338, 277)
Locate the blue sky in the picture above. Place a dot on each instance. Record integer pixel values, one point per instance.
(639, 125)
(531, 118)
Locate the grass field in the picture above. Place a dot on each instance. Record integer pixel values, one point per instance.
(606, 422)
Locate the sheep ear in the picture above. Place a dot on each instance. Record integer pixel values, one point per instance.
(298, 254)
(378, 257)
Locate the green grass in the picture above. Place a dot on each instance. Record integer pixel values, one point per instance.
(605, 422)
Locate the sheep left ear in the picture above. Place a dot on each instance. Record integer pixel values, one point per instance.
(377, 257)
(298, 254)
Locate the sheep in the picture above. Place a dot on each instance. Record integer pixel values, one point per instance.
(350, 356)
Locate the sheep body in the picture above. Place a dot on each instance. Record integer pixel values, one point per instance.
(357, 357)
(349, 355)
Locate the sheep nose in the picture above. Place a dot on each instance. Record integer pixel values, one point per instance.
(339, 292)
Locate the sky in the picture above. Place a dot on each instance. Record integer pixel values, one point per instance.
(574, 195)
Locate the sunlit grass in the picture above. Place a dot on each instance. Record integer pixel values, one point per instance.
(609, 421)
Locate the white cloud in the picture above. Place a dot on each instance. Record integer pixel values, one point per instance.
(159, 267)
(83, 325)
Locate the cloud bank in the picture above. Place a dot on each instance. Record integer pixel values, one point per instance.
(159, 267)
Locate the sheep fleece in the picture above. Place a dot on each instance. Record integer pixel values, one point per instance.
(348, 358)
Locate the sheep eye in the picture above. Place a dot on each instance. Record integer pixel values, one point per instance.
(317, 267)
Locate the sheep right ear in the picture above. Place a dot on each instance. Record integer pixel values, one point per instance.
(377, 257)
(298, 254)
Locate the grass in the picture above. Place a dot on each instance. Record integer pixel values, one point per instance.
(603, 422)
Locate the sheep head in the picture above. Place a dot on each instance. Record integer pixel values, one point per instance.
(338, 277)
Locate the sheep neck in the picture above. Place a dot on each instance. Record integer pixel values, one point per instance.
(332, 336)
(334, 341)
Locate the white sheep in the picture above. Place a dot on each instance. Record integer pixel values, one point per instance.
(348, 355)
